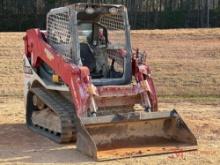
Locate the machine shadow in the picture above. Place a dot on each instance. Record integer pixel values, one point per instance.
(20, 145)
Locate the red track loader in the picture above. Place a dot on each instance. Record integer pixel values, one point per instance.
(84, 83)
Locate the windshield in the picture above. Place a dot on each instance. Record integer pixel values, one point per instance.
(103, 46)
(116, 39)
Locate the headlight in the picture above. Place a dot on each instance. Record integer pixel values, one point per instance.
(90, 10)
(113, 10)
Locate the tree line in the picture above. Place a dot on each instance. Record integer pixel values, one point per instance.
(171, 13)
(18, 15)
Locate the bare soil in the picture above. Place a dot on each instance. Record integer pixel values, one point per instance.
(186, 67)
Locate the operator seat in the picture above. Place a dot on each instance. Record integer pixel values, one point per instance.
(87, 57)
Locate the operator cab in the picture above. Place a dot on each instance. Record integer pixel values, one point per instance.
(100, 41)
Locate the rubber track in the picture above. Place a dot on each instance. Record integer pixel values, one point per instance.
(63, 109)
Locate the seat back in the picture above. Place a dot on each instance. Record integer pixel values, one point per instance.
(87, 57)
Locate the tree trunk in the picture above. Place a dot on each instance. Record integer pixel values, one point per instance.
(207, 13)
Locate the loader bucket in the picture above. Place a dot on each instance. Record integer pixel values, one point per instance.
(134, 134)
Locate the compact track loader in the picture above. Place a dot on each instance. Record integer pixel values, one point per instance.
(84, 83)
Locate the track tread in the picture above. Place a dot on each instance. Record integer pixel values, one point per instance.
(63, 108)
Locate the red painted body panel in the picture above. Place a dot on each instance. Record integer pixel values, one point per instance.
(78, 79)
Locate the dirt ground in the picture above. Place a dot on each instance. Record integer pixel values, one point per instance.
(186, 67)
